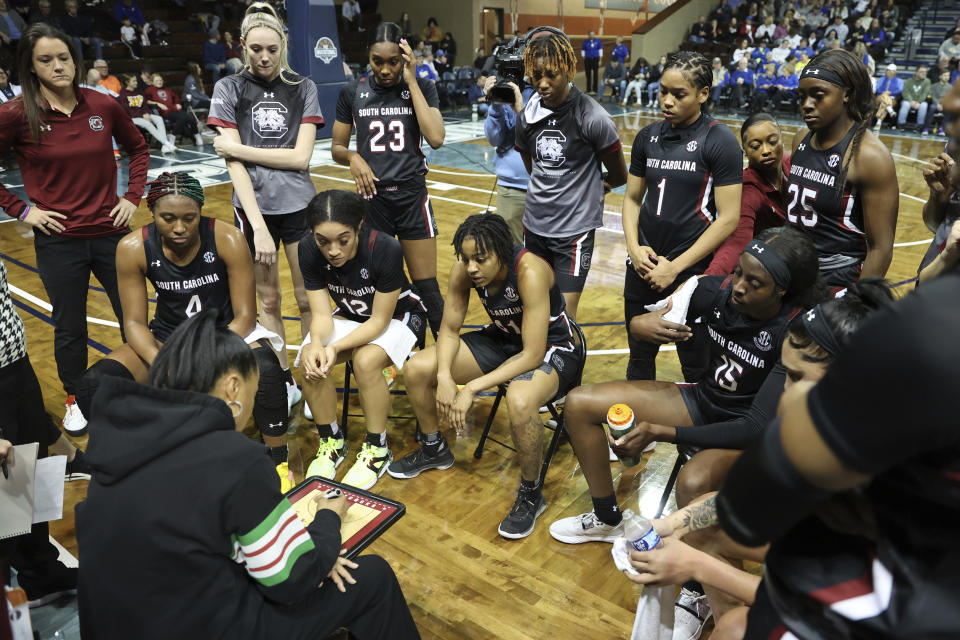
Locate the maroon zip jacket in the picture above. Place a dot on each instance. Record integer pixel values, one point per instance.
(72, 170)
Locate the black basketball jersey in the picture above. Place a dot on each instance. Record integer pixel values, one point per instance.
(681, 168)
(833, 220)
(743, 351)
(378, 266)
(387, 131)
(505, 308)
(184, 291)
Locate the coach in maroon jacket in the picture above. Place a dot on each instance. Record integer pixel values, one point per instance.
(62, 137)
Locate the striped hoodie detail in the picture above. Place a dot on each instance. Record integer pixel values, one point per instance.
(271, 549)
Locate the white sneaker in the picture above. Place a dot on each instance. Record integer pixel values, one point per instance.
(168, 148)
(586, 527)
(73, 421)
(198, 140)
(690, 613)
(171, 139)
(307, 414)
(293, 397)
(556, 404)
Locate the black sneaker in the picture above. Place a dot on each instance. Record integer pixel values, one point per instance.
(58, 582)
(78, 468)
(528, 507)
(411, 465)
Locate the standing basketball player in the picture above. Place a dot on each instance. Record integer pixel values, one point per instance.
(193, 263)
(393, 111)
(564, 136)
(842, 188)
(267, 117)
(682, 201)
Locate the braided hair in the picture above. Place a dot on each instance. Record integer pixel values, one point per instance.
(557, 54)
(169, 184)
(696, 69)
(859, 105)
(489, 232)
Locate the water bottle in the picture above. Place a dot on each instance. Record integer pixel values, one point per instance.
(640, 534)
(474, 115)
(620, 421)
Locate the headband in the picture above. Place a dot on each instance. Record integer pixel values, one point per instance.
(819, 330)
(822, 73)
(771, 261)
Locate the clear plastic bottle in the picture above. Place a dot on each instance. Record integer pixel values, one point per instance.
(640, 534)
(620, 421)
(474, 112)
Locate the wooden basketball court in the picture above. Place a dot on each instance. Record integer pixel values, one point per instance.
(461, 578)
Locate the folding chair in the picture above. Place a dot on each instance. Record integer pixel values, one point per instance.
(578, 339)
(347, 390)
(684, 453)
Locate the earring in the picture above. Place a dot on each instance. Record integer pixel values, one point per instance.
(239, 406)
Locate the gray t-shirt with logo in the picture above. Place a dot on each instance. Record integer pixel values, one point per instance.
(268, 116)
(565, 196)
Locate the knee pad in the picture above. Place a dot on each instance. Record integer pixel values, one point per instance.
(90, 381)
(764, 495)
(270, 405)
(430, 292)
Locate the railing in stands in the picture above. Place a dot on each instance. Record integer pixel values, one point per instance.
(660, 17)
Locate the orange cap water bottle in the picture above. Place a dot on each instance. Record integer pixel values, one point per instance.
(620, 421)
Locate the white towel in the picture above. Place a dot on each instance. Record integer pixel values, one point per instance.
(681, 302)
(654, 619)
(260, 332)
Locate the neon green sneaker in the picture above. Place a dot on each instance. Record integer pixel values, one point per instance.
(371, 463)
(330, 454)
(286, 477)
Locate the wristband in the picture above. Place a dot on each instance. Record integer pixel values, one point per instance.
(24, 214)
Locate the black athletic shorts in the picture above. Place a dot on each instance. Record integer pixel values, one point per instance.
(491, 348)
(285, 227)
(702, 409)
(763, 622)
(570, 257)
(837, 279)
(403, 209)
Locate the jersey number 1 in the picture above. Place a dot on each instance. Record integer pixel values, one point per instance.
(377, 131)
(662, 188)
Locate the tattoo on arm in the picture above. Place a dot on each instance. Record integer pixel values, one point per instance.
(702, 515)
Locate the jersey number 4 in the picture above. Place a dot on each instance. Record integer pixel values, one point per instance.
(809, 216)
(378, 130)
(194, 306)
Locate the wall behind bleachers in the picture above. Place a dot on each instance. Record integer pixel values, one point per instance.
(669, 30)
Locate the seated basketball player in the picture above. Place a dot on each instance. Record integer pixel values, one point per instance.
(529, 343)
(378, 321)
(193, 263)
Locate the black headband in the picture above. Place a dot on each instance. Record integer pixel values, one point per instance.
(822, 73)
(771, 261)
(819, 330)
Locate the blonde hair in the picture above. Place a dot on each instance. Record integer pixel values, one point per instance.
(261, 14)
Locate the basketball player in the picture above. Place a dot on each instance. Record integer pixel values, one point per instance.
(564, 137)
(682, 201)
(267, 117)
(393, 111)
(529, 344)
(193, 263)
(842, 188)
(378, 320)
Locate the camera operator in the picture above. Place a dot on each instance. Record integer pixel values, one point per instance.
(512, 177)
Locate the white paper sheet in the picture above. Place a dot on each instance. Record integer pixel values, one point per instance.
(16, 492)
(48, 489)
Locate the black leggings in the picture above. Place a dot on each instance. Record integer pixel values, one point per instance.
(642, 365)
(180, 123)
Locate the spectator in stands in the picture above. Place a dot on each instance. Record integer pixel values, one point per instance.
(863, 22)
(431, 33)
(481, 60)
(107, 80)
(449, 46)
(876, 40)
(891, 6)
(914, 97)
(130, 9)
(424, 70)
(952, 30)
(351, 15)
(8, 90)
(766, 87)
(786, 85)
(406, 26)
(168, 102)
(233, 51)
(614, 78)
(477, 96)
(859, 8)
(44, 14)
(12, 26)
(214, 55)
(592, 53)
(636, 82)
(722, 13)
(890, 82)
(700, 31)
(759, 55)
(781, 52)
(135, 104)
(841, 28)
(742, 83)
(442, 64)
(194, 92)
(653, 81)
(889, 24)
(428, 60)
(80, 30)
(129, 38)
(782, 30)
(937, 92)
(801, 63)
(765, 31)
(860, 50)
(805, 47)
(620, 51)
(721, 80)
(145, 77)
(830, 41)
(729, 33)
(950, 48)
(742, 51)
(747, 28)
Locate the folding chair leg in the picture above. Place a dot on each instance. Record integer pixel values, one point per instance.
(554, 442)
(486, 429)
(346, 397)
(681, 459)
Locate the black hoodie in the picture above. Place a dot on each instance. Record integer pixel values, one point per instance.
(184, 532)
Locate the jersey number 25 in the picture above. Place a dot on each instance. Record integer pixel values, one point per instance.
(809, 216)
(393, 128)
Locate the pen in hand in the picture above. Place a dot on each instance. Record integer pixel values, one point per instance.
(3, 461)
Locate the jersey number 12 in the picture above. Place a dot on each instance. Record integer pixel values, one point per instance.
(378, 130)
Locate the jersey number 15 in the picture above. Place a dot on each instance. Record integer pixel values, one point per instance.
(377, 131)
